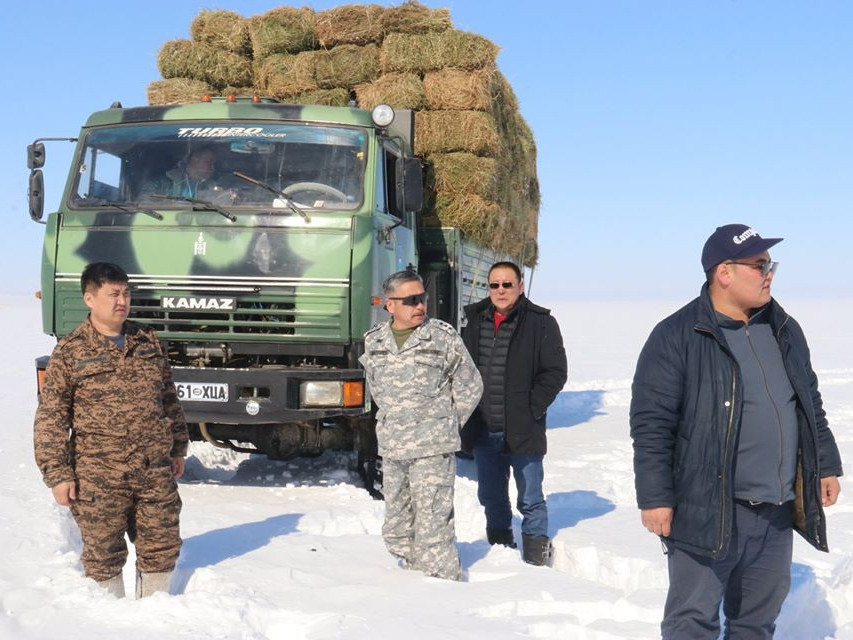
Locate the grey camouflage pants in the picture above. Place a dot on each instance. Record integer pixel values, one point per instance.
(419, 526)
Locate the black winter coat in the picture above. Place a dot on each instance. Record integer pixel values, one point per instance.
(536, 371)
(685, 416)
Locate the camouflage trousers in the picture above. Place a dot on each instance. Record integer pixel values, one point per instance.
(419, 527)
(141, 501)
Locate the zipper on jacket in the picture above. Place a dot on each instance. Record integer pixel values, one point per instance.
(729, 431)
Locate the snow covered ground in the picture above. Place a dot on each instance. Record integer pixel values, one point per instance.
(292, 550)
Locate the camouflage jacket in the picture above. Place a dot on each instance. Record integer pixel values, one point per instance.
(424, 391)
(115, 404)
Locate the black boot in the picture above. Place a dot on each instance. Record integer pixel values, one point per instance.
(501, 536)
(537, 550)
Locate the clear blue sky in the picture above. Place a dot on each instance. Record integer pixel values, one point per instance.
(655, 122)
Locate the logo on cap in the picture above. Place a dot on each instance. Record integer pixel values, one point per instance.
(746, 235)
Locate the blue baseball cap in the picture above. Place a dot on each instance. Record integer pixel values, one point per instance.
(734, 241)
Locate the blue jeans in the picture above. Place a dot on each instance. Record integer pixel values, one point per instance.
(493, 465)
(752, 580)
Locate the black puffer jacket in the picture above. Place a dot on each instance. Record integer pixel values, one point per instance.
(685, 416)
(535, 373)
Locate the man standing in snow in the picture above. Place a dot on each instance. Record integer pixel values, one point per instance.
(110, 438)
(519, 351)
(425, 386)
(731, 445)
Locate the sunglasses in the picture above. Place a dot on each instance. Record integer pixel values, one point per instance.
(413, 300)
(505, 285)
(766, 268)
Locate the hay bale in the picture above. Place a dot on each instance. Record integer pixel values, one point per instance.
(246, 92)
(345, 66)
(447, 131)
(188, 59)
(463, 172)
(460, 89)
(338, 97)
(176, 91)
(282, 30)
(283, 74)
(399, 90)
(222, 30)
(413, 17)
(477, 217)
(433, 51)
(350, 24)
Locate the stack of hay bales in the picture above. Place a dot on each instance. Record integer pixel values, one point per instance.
(479, 153)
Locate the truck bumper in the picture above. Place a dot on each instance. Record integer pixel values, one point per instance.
(255, 396)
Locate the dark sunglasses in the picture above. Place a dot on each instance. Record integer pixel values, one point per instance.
(505, 285)
(413, 300)
(766, 268)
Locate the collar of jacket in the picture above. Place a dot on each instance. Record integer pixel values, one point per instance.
(706, 316)
(422, 333)
(98, 340)
(486, 308)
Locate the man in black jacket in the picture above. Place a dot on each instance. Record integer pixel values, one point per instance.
(732, 449)
(519, 351)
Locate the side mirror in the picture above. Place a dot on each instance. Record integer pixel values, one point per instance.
(35, 195)
(410, 184)
(35, 155)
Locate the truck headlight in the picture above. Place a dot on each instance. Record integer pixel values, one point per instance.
(331, 393)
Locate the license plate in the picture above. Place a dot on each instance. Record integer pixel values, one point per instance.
(202, 391)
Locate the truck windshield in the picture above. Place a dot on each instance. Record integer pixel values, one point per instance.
(315, 167)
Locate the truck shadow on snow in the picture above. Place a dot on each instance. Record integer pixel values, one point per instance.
(247, 470)
(572, 408)
(212, 547)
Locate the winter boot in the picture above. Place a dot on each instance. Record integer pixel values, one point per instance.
(150, 583)
(114, 586)
(537, 550)
(501, 536)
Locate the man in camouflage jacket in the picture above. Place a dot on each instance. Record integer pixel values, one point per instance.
(425, 386)
(110, 437)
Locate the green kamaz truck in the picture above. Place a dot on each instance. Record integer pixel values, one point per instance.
(262, 275)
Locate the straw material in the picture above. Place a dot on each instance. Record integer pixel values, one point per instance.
(399, 90)
(413, 17)
(188, 59)
(282, 30)
(330, 97)
(350, 24)
(284, 74)
(460, 89)
(345, 66)
(462, 172)
(433, 51)
(176, 91)
(222, 30)
(446, 131)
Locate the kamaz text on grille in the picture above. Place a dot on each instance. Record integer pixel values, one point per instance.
(185, 302)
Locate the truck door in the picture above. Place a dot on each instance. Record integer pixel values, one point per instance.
(393, 233)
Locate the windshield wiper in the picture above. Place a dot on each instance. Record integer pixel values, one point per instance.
(206, 204)
(127, 207)
(290, 204)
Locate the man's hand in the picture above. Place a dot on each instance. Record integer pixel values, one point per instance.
(657, 520)
(178, 464)
(829, 490)
(65, 493)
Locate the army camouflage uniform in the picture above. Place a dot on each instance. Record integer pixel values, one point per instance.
(424, 392)
(125, 425)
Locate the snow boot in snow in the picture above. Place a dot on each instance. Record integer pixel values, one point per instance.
(537, 550)
(501, 536)
(114, 586)
(150, 583)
